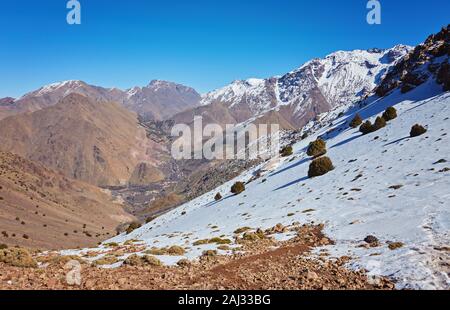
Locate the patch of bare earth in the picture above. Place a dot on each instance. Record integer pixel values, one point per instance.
(262, 264)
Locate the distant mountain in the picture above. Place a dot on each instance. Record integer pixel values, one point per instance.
(42, 209)
(96, 142)
(158, 100)
(6, 101)
(318, 86)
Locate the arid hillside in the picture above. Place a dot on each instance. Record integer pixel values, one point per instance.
(42, 209)
(96, 142)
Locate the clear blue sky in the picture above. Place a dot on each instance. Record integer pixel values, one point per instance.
(201, 43)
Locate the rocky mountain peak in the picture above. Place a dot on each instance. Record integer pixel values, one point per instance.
(429, 60)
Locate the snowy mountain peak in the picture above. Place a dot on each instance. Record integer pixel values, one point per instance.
(67, 85)
(341, 78)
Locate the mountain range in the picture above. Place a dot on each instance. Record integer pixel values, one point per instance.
(295, 98)
(117, 141)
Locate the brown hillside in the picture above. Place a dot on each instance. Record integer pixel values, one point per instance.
(42, 209)
(96, 142)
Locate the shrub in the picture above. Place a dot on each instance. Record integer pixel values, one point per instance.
(417, 130)
(176, 251)
(17, 257)
(379, 123)
(219, 241)
(254, 236)
(317, 148)
(3, 246)
(286, 151)
(238, 188)
(150, 219)
(395, 245)
(151, 260)
(356, 121)
(366, 128)
(209, 253)
(201, 242)
(218, 197)
(132, 227)
(183, 263)
(106, 260)
(320, 166)
(390, 114)
(371, 239)
(241, 230)
(156, 251)
(112, 245)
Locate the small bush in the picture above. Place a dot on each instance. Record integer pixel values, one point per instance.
(356, 121)
(106, 260)
(371, 239)
(238, 188)
(218, 197)
(241, 230)
(254, 236)
(176, 251)
(317, 148)
(286, 151)
(17, 257)
(152, 261)
(379, 123)
(417, 130)
(3, 246)
(183, 263)
(132, 227)
(136, 260)
(320, 166)
(390, 114)
(201, 242)
(366, 128)
(220, 241)
(156, 251)
(112, 245)
(395, 245)
(209, 253)
(150, 219)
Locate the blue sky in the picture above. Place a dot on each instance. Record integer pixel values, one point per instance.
(203, 44)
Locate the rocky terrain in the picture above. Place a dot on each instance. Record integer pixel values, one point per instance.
(258, 266)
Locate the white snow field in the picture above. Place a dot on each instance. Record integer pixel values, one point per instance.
(353, 201)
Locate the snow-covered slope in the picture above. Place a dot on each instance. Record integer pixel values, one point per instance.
(384, 184)
(339, 79)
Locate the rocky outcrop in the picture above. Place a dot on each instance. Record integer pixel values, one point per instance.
(428, 60)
